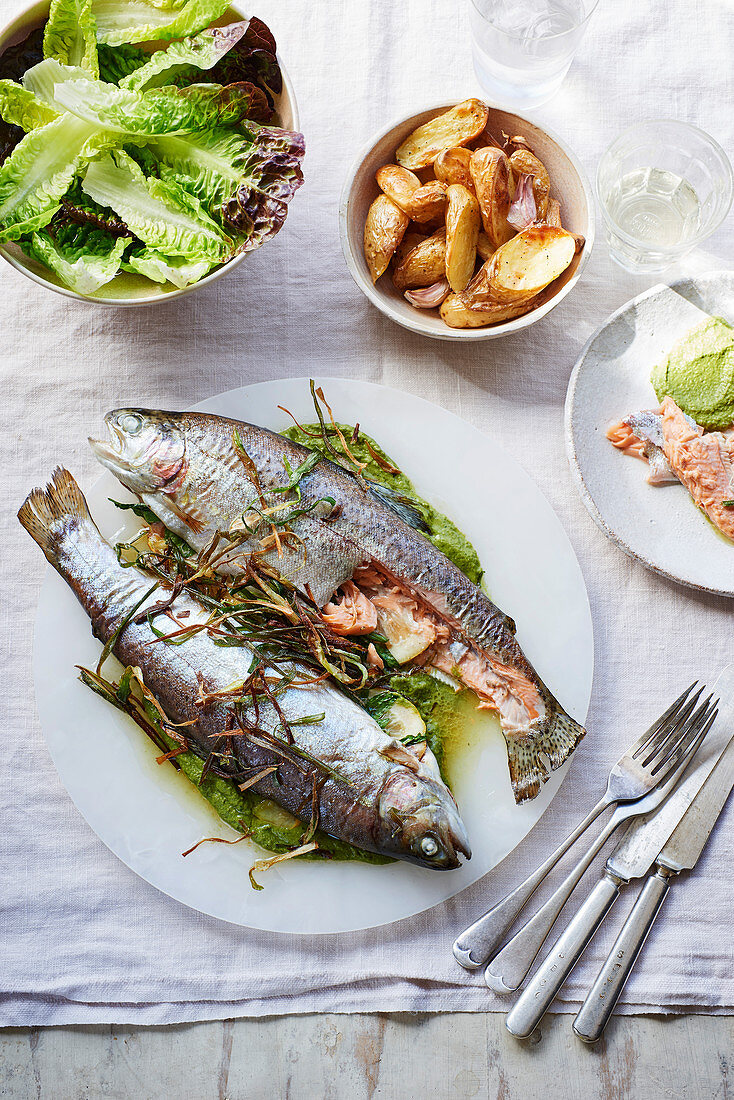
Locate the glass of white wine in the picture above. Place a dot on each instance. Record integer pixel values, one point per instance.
(663, 187)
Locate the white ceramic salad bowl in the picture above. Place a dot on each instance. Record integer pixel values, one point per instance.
(127, 288)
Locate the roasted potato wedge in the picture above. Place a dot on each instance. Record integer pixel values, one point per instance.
(463, 222)
(428, 203)
(421, 202)
(553, 214)
(383, 231)
(408, 243)
(458, 126)
(529, 262)
(398, 184)
(485, 251)
(453, 166)
(482, 295)
(424, 265)
(490, 171)
(457, 312)
(525, 163)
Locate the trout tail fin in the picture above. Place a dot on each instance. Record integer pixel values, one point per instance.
(49, 513)
(552, 739)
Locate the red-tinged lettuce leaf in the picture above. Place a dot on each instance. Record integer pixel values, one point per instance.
(271, 176)
(245, 178)
(168, 110)
(252, 59)
(78, 210)
(13, 63)
(259, 36)
(200, 52)
(16, 59)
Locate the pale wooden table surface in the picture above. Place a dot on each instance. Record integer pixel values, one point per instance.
(363, 1057)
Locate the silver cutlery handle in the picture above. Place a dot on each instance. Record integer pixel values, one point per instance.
(558, 964)
(594, 1013)
(508, 969)
(481, 939)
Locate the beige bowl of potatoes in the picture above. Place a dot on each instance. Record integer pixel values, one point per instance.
(466, 222)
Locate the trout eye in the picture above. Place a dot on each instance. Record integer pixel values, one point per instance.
(429, 847)
(132, 423)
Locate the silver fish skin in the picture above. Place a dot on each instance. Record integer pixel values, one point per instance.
(369, 797)
(185, 467)
(647, 426)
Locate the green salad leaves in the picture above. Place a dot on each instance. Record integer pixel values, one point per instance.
(163, 162)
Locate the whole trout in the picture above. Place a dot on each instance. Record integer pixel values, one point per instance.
(351, 545)
(367, 789)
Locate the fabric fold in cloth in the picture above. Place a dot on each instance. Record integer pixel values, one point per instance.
(86, 941)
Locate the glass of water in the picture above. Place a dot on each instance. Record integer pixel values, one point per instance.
(522, 49)
(663, 187)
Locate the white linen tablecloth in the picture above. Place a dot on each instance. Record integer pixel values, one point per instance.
(82, 939)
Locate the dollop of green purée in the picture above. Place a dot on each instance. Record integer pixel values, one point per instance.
(698, 374)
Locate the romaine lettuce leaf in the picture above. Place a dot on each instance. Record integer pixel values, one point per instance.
(40, 170)
(89, 261)
(161, 214)
(78, 210)
(247, 179)
(20, 107)
(117, 62)
(203, 51)
(168, 269)
(159, 111)
(124, 21)
(44, 78)
(70, 35)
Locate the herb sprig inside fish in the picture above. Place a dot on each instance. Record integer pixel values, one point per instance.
(337, 769)
(355, 551)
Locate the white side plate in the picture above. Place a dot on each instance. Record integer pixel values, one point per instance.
(148, 814)
(659, 525)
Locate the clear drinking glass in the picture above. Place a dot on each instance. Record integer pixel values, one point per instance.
(522, 49)
(663, 187)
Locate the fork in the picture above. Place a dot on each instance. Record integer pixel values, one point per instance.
(630, 779)
(666, 761)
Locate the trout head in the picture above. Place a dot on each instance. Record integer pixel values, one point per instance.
(423, 820)
(146, 450)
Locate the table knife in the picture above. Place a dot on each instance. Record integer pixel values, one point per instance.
(633, 857)
(679, 854)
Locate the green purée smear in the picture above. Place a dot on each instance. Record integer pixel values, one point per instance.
(699, 374)
(272, 827)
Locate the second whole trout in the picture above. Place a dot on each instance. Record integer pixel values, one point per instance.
(367, 789)
(357, 554)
